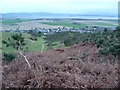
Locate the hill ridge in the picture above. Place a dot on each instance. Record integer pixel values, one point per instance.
(61, 68)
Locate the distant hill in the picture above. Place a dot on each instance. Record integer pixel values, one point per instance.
(35, 15)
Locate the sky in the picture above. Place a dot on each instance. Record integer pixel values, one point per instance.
(60, 6)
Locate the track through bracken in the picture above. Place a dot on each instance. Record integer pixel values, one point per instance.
(62, 68)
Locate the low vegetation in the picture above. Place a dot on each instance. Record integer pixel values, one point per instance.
(65, 24)
(104, 24)
(84, 23)
(76, 66)
(17, 41)
(107, 41)
(13, 21)
(8, 57)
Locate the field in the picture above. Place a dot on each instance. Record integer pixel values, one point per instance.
(65, 24)
(13, 21)
(103, 24)
(24, 24)
(82, 23)
(31, 45)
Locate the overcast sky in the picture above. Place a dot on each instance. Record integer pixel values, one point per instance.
(60, 6)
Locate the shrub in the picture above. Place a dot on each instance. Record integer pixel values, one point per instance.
(34, 38)
(8, 57)
(70, 41)
(67, 42)
(115, 49)
(104, 52)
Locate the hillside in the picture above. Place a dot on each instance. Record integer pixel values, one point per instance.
(77, 66)
(35, 15)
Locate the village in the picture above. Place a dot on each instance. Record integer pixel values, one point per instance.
(46, 31)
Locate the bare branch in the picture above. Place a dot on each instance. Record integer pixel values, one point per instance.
(25, 59)
(42, 48)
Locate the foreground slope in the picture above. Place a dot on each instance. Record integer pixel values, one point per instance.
(78, 66)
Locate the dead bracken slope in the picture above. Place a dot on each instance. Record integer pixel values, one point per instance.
(78, 66)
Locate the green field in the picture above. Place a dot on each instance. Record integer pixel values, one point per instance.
(112, 20)
(36, 45)
(31, 46)
(103, 24)
(70, 23)
(13, 21)
(5, 36)
(65, 24)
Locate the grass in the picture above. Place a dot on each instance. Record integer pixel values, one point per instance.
(111, 20)
(5, 36)
(31, 46)
(36, 45)
(68, 23)
(65, 24)
(13, 21)
(103, 24)
(56, 44)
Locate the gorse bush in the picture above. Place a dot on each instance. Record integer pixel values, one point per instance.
(34, 34)
(104, 52)
(70, 41)
(8, 57)
(107, 41)
(33, 38)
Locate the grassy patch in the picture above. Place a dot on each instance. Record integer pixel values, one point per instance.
(58, 45)
(103, 24)
(55, 45)
(77, 25)
(36, 45)
(13, 21)
(31, 46)
(64, 23)
(5, 36)
(111, 20)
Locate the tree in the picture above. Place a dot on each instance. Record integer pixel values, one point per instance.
(35, 34)
(17, 41)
